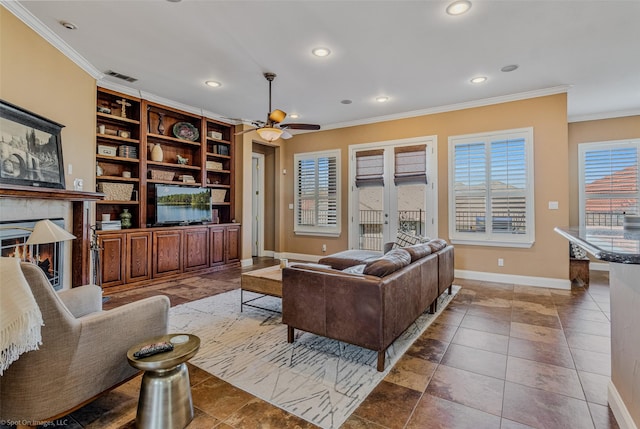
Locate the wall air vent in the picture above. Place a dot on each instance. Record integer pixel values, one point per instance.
(120, 76)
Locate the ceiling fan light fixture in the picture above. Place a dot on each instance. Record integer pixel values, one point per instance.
(321, 52)
(459, 7)
(269, 133)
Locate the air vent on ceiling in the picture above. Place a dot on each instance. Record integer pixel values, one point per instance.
(120, 76)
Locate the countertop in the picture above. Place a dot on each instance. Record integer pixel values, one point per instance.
(608, 244)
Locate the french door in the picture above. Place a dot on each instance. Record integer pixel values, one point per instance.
(393, 188)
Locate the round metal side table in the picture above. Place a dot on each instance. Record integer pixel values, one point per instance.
(165, 394)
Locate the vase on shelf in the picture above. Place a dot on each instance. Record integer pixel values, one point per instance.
(161, 123)
(125, 218)
(156, 153)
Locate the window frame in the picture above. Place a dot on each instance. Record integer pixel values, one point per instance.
(317, 230)
(583, 148)
(486, 237)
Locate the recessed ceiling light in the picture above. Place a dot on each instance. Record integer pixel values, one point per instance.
(479, 79)
(321, 52)
(69, 25)
(458, 7)
(213, 84)
(174, 1)
(294, 116)
(382, 99)
(509, 68)
(346, 101)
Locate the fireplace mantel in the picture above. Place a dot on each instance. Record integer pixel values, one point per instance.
(80, 254)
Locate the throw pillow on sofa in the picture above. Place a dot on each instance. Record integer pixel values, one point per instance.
(389, 263)
(403, 240)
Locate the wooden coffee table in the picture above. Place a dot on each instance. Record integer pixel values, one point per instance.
(265, 281)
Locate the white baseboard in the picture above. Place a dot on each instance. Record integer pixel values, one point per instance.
(624, 419)
(300, 257)
(246, 262)
(512, 278)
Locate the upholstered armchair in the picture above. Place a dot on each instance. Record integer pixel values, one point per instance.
(83, 351)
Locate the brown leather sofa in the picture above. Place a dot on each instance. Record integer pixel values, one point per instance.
(369, 309)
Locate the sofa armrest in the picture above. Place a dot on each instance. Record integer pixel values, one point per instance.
(82, 300)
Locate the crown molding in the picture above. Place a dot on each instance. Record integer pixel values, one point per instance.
(106, 84)
(604, 115)
(24, 15)
(453, 107)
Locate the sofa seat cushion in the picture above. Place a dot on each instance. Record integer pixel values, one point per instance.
(418, 251)
(389, 263)
(349, 258)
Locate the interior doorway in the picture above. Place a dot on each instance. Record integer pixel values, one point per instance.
(257, 204)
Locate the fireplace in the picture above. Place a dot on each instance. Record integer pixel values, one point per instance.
(49, 256)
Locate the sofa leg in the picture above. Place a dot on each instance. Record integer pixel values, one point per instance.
(290, 330)
(450, 288)
(381, 360)
(432, 308)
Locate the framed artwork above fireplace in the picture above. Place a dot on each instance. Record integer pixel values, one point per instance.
(30, 149)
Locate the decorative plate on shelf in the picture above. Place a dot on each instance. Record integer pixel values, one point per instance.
(186, 131)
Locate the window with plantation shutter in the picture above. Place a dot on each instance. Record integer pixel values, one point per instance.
(609, 182)
(410, 164)
(317, 193)
(370, 168)
(491, 188)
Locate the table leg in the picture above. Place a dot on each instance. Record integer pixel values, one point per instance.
(165, 399)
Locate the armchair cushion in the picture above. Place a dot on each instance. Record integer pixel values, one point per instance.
(82, 300)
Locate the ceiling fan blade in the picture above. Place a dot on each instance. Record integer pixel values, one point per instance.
(286, 135)
(277, 116)
(301, 126)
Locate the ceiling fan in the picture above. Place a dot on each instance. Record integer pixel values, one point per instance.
(273, 128)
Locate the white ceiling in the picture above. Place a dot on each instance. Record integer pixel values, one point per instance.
(410, 51)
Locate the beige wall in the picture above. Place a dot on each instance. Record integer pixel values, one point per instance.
(594, 131)
(547, 115)
(36, 76)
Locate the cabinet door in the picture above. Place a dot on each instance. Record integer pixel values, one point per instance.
(112, 259)
(167, 253)
(196, 249)
(138, 259)
(217, 236)
(232, 245)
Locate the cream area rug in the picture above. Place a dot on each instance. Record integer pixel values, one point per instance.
(318, 379)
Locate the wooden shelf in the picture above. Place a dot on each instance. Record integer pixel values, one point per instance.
(218, 185)
(217, 155)
(118, 179)
(173, 139)
(173, 166)
(221, 204)
(116, 138)
(219, 171)
(218, 141)
(117, 118)
(117, 202)
(173, 182)
(117, 159)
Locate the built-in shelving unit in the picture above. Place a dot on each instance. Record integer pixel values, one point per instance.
(195, 151)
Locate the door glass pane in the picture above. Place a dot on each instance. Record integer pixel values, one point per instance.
(371, 217)
(411, 208)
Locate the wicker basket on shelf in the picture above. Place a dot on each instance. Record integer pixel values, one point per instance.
(116, 191)
(162, 175)
(218, 195)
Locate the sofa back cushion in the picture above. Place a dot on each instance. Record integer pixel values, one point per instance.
(389, 263)
(349, 258)
(418, 251)
(437, 244)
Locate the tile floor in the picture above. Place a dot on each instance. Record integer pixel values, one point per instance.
(500, 356)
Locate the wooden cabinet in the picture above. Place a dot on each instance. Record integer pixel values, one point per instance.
(167, 252)
(196, 249)
(112, 259)
(138, 256)
(141, 255)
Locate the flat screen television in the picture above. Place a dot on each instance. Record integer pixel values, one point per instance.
(182, 205)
